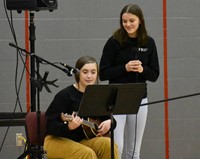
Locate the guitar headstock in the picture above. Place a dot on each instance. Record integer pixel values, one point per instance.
(66, 117)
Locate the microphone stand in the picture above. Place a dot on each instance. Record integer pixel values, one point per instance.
(38, 84)
(32, 39)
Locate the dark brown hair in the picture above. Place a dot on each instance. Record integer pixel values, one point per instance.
(81, 62)
(121, 35)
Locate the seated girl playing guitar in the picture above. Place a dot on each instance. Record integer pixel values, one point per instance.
(67, 137)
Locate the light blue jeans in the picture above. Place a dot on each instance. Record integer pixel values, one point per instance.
(129, 142)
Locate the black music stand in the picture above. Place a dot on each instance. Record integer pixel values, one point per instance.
(101, 100)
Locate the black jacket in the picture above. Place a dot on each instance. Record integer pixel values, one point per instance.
(115, 57)
(66, 101)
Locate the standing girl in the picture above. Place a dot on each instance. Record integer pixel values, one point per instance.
(130, 56)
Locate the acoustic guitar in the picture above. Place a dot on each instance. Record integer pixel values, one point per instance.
(90, 126)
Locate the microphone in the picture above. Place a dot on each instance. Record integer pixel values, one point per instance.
(135, 51)
(72, 70)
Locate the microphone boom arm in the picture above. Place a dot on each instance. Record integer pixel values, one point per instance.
(41, 59)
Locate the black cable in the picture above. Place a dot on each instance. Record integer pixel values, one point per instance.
(17, 88)
(135, 51)
(170, 99)
(10, 21)
(135, 136)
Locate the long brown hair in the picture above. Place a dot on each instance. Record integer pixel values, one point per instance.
(121, 35)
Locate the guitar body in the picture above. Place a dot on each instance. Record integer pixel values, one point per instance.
(90, 126)
(90, 131)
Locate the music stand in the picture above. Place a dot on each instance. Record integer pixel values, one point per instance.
(101, 100)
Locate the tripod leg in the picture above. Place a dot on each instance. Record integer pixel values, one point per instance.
(27, 152)
(112, 137)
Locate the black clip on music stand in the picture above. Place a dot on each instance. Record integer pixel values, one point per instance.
(101, 100)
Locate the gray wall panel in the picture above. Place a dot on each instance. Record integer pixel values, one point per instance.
(79, 28)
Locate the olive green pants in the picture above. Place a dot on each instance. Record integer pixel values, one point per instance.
(64, 148)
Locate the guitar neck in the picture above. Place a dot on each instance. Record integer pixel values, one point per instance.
(88, 123)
